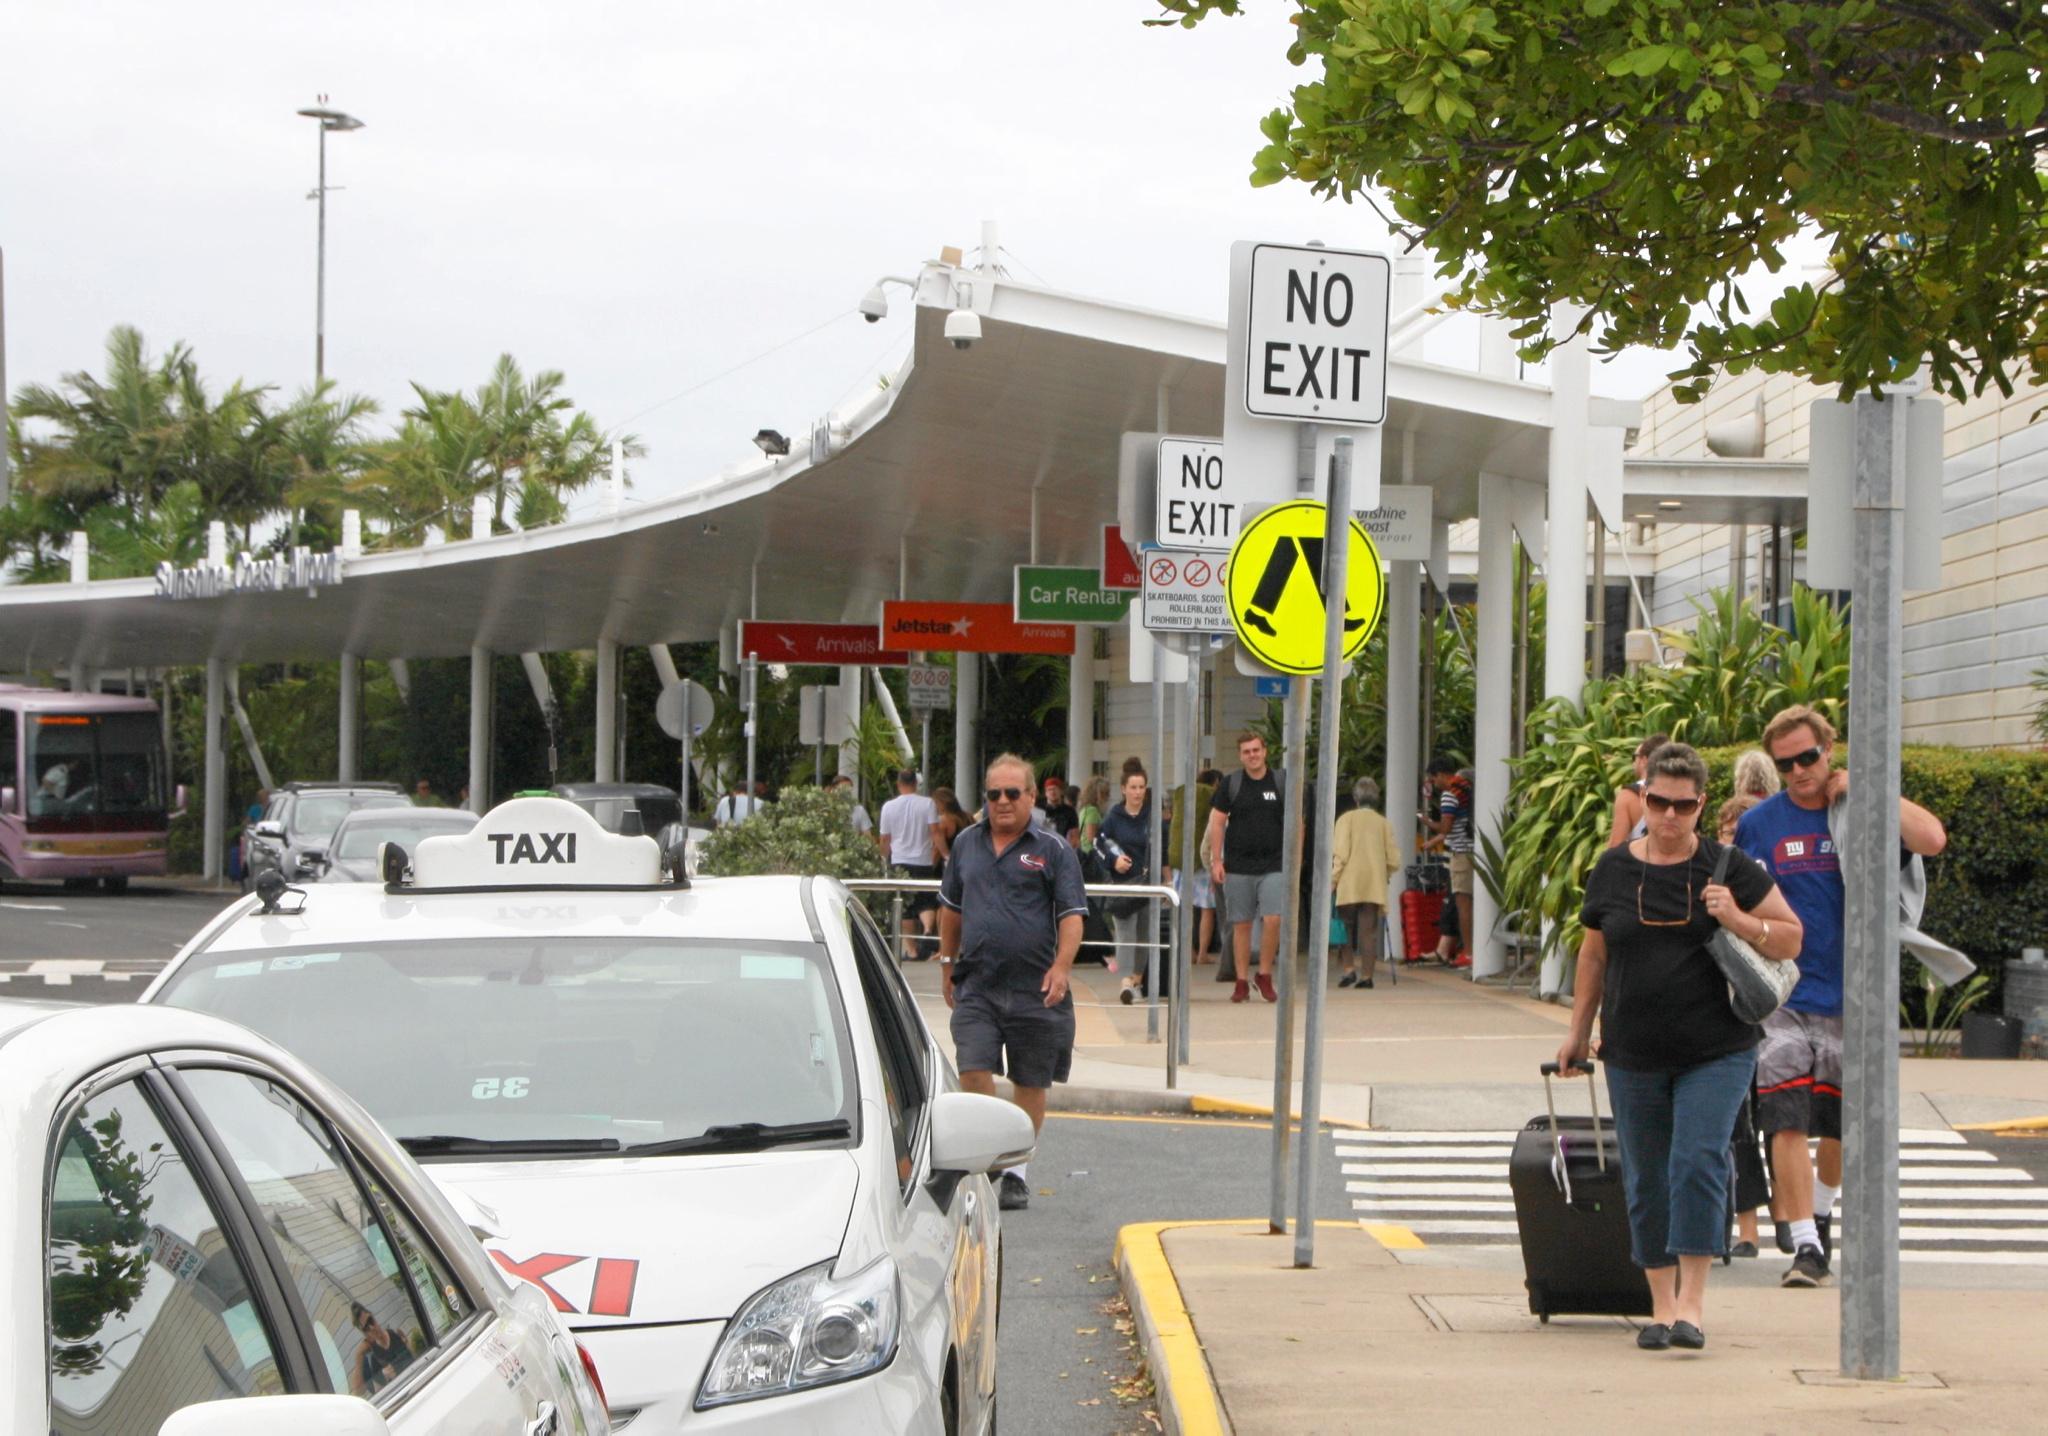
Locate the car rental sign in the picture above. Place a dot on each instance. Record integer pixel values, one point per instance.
(1317, 337)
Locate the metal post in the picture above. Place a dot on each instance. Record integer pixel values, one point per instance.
(1153, 956)
(967, 729)
(320, 272)
(5, 482)
(684, 790)
(1190, 854)
(924, 752)
(482, 692)
(1519, 718)
(1336, 577)
(1870, 878)
(351, 717)
(216, 771)
(750, 695)
(607, 712)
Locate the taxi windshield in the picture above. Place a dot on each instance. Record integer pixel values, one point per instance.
(501, 1040)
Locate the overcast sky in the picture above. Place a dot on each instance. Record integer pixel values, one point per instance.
(641, 195)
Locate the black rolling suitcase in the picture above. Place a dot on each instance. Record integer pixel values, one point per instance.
(1566, 1176)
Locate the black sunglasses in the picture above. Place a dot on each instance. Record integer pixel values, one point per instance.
(1684, 807)
(996, 795)
(1802, 760)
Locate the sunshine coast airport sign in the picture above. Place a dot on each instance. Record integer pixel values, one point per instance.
(299, 569)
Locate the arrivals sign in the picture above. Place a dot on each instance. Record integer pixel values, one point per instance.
(1316, 335)
(1067, 595)
(817, 643)
(301, 568)
(969, 628)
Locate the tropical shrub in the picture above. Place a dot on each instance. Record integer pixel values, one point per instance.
(810, 831)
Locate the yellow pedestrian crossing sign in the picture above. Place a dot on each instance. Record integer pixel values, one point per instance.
(1276, 594)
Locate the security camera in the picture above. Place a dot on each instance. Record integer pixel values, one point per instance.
(963, 327)
(874, 305)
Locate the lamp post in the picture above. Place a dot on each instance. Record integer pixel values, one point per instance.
(338, 121)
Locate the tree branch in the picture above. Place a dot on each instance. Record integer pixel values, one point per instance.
(1902, 118)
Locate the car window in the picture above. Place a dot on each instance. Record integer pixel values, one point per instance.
(361, 837)
(902, 1075)
(553, 1036)
(149, 1306)
(335, 1250)
(447, 1305)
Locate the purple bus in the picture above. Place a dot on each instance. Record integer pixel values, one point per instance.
(84, 787)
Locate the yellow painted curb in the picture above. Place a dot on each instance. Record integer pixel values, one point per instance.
(1393, 1237)
(2017, 1124)
(1188, 1401)
(1225, 1107)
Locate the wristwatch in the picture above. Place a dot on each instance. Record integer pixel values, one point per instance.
(945, 959)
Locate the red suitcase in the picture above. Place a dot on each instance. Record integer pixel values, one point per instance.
(1420, 915)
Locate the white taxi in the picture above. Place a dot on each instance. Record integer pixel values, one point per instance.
(201, 1235)
(706, 1119)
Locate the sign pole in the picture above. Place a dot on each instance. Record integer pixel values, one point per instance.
(753, 682)
(685, 789)
(924, 747)
(1154, 955)
(1293, 752)
(1336, 582)
(1190, 854)
(1870, 878)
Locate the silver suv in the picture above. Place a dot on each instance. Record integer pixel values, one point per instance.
(292, 835)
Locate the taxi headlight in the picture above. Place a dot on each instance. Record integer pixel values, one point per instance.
(806, 1330)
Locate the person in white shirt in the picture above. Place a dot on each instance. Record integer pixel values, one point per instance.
(910, 832)
(858, 819)
(735, 806)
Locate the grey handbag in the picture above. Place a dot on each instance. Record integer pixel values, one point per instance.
(1757, 986)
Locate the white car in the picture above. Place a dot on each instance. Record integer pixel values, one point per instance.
(202, 1235)
(708, 1118)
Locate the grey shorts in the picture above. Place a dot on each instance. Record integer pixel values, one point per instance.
(1799, 1074)
(1012, 1033)
(1251, 896)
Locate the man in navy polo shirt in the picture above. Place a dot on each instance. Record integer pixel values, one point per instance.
(1010, 913)
(1799, 1065)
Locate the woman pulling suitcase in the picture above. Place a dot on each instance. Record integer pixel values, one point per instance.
(1679, 1061)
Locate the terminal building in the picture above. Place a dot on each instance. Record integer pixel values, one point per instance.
(1004, 450)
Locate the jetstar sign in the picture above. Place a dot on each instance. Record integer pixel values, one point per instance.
(969, 628)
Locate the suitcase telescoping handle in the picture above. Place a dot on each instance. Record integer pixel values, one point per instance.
(1551, 1068)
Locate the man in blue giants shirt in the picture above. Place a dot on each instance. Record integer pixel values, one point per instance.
(1799, 1066)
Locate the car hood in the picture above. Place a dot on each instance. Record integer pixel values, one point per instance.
(662, 1239)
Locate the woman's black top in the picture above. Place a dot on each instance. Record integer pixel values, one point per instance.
(1665, 1006)
(1132, 833)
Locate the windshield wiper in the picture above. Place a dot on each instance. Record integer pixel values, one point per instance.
(442, 1144)
(745, 1137)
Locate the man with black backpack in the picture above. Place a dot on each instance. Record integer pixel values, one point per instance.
(1247, 836)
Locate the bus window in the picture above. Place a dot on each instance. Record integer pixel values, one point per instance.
(131, 764)
(77, 765)
(9, 777)
(60, 767)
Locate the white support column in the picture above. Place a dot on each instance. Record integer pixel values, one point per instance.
(481, 693)
(1493, 690)
(1404, 733)
(967, 729)
(401, 679)
(850, 694)
(607, 711)
(1081, 707)
(216, 771)
(664, 663)
(1564, 560)
(350, 746)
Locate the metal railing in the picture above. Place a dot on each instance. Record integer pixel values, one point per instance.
(1174, 1005)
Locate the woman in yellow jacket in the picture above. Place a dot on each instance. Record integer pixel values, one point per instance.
(1362, 858)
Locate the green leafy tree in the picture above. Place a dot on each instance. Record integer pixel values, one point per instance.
(809, 831)
(1638, 156)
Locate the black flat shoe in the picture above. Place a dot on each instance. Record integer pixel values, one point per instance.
(1654, 1337)
(1349, 979)
(1685, 1334)
(1742, 1249)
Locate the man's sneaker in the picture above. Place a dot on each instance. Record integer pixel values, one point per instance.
(1463, 959)
(1013, 1194)
(1242, 992)
(1809, 1268)
(1266, 987)
(1822, 1224)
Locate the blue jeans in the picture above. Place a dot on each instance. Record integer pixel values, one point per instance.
(1673, 1129)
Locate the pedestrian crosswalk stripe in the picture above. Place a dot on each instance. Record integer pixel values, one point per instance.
(1425, 1169)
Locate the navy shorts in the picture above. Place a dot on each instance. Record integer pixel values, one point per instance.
(915, 903)
(994, 1024)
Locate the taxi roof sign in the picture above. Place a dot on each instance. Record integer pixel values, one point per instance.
(536, 842)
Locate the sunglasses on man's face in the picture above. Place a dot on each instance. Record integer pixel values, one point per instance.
(1799, 760)
(1003, 795)
(1684, 807)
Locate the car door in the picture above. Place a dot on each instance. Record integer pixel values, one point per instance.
(158, 1295)
(951, 1245)
(374, 1300)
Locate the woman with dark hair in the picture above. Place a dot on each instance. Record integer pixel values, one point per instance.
(1628, 824)
(1679, 1061)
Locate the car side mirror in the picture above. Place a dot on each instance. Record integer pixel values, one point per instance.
(179, 799)
(266, 1415)
(6, 800)
(270, 830)
(973, 1134)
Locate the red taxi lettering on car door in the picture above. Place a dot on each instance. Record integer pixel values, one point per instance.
(537, 1270)
(611, 1294)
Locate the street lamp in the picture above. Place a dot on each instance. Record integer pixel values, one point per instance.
(337, 121)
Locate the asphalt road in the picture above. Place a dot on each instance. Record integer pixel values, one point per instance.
(1064, 1360)
(85, 945)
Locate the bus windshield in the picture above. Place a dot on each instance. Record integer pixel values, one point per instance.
(82, 765)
